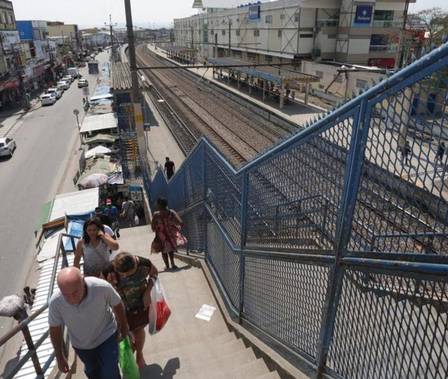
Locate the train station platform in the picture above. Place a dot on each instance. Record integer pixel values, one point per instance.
(296, 112)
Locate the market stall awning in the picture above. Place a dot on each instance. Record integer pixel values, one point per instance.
(99, 166)
(99, 150)
(101, 138)
(74, 203)
(93, 123)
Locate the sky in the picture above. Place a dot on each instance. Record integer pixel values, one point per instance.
(87, 13)
(425, 4)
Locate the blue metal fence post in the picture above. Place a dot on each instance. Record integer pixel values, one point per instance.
(243, 224)
(344, 225)
(204, 194)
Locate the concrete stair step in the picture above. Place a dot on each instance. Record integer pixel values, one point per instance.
(249, 370)
(270, 375)
(171, 342)
(203, 350)
(178, 367)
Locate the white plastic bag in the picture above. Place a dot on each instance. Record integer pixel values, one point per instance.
(159, 311)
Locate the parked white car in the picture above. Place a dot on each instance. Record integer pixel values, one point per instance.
(56, 91)
(48, 99)
(7, 146)
(68, 78)
(83, 83)
(63, 84)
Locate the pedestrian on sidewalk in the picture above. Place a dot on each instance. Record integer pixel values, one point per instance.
(440, 152)
(406, 152)
(166, 223)
(128, 212)
(95, 318)
(133, 277)
(169, 168)
(94, 247)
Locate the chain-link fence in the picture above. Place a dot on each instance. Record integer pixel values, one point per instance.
(334, 242)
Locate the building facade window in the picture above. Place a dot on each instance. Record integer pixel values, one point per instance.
(297, 17)
(251, 56)
(279, 33)
(361, 83)
(268, 19)
(385, 19)
(223, 32)
(319, 74)
(256, 33)
(237, 32)
(282, 17)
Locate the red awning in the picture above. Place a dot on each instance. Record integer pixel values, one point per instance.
(11, 83)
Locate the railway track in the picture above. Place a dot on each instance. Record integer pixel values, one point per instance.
(189, 97)
(237, 132)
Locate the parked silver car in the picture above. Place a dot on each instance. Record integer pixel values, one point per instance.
(56, 91)
(63, 84)
(7, 146)
(48, 99)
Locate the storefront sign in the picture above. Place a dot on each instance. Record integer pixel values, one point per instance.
(135, 193)
(254, 12)
(363, 15)
(10, 38)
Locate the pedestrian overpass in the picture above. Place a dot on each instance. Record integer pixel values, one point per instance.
(329, 245)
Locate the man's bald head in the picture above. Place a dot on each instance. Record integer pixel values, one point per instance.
(71, 284)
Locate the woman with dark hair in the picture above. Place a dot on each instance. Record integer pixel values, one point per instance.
(132, 276)
(166, 224)
(94, 247)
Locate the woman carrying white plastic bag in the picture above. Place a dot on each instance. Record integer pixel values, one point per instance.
(159, 311)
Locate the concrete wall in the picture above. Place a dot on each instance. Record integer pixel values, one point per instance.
(327, 73)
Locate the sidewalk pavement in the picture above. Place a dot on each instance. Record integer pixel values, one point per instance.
(9, 119)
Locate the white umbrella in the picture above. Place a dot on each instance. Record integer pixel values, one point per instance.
(93, 180)
(97, 150)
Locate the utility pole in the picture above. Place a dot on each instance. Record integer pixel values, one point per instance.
(111, 33)
(135, 93)
(399, 62)
(230, 34)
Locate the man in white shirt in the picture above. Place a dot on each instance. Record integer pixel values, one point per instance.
(90, 308)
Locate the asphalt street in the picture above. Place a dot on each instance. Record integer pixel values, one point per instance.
(45, 141)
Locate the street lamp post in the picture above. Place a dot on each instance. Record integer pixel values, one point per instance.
(76, 113)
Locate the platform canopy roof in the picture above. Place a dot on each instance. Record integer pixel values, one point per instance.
(275, 74)
(179, 49)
